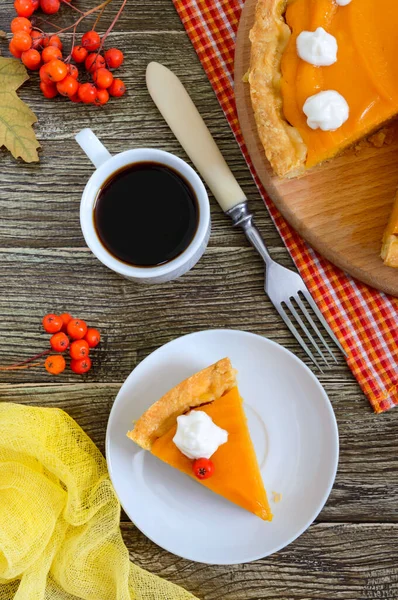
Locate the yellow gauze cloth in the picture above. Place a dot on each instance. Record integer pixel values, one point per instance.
(59, 516)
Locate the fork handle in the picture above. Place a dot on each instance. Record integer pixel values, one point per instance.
(242, 217)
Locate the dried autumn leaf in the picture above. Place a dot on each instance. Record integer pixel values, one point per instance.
(16, 118)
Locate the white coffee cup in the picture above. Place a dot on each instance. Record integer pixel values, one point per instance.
(106, 164)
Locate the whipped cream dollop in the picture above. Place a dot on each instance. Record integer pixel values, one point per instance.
(326, 110)
(317, 47)
(343, 2)
(197, 436)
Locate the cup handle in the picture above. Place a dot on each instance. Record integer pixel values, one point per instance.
(91, 145)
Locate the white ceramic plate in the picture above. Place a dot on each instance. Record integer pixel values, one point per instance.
(293, 428)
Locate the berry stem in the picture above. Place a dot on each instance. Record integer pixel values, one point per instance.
(38, 28)
(23, 363)
(47, 23)
(97, 20)
(119, 12)
(16, 367)
(72, 6)
(86, 14)
(68, 58)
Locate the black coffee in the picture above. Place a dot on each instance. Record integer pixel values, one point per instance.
(146, 214)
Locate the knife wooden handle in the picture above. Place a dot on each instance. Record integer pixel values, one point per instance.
(184, 120)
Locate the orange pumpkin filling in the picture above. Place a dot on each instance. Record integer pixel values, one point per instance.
(236, 476)
(365, 74)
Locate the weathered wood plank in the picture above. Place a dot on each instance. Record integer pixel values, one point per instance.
(366, 488)
(328, 562)
(40, 203)
(134, 116)
(45, 266)
(88, 404)
(139, 15)
(224, 290)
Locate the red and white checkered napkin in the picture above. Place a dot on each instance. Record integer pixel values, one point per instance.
(365, 321)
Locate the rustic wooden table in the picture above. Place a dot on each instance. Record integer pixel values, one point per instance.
(351, 551)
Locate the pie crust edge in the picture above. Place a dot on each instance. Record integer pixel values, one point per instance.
(201, 388)
(283, 144)
(389, 251)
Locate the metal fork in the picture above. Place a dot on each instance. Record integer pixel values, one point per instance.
(285, 288)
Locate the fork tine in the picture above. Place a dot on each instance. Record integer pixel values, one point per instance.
(313, 325)
(296, 334)
(305, 330)
(320, 316)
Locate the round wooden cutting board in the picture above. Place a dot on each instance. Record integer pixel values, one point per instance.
(342, 207)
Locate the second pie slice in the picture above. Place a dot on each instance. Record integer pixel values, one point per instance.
(214, 394)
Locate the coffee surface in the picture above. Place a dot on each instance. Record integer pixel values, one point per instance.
(146, 214)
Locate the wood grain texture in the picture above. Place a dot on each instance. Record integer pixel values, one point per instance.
(224, 290)
(351, 553)
(366, 488)
(139, 15)
(32, 217)
(329, 562)
(340, 208)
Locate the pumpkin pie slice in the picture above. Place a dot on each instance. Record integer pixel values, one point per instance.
(363, 76)
(213, 391)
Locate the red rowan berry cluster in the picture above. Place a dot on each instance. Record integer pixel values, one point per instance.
(73, 335)
(58, 75)
(67, 334)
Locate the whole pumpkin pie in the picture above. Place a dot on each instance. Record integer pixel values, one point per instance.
(323, 75)
(210, 396)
